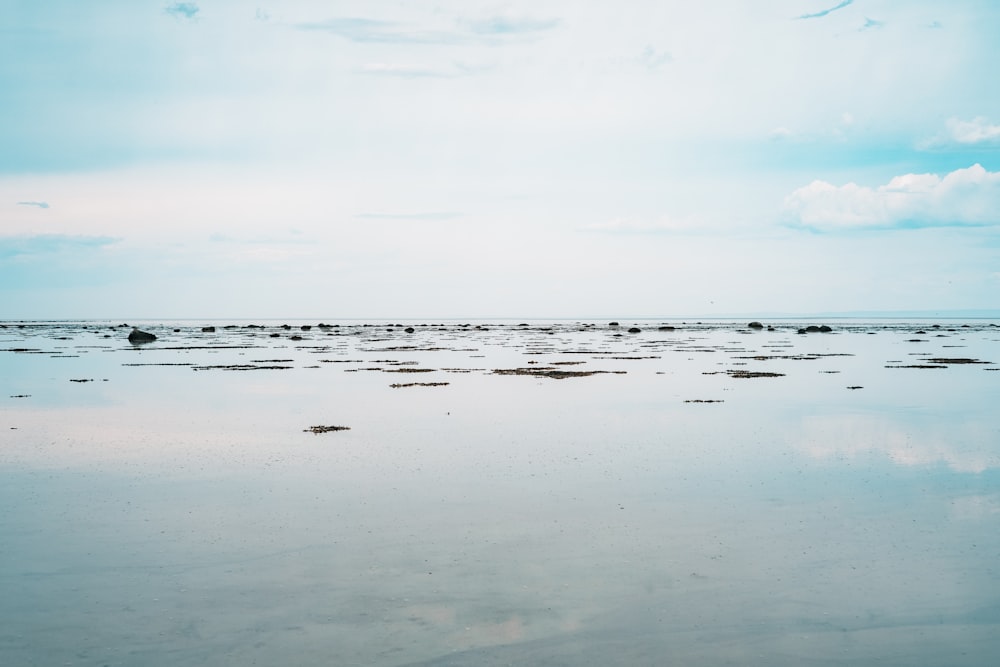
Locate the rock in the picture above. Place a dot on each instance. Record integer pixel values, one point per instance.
(667, 327)
(137, 336)
(612, 324)
(409, 329)
(635, 330)
(812, 328)
(208, 329)
(825, 329)
(755, 325)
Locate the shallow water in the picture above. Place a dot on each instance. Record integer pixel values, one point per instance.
(165, 504)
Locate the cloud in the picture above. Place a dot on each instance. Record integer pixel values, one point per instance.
(963, 197)
(653, 59)
(366, 30)
(871, 24)
(39, 204)
(824, 12)
(186, 10)
(663, 225)
(434, 215)
(976, 133)
(374, 31)
(780, 133)
(411, 71)
(47, 244)
(500, 25)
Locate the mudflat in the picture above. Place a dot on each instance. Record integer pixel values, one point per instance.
(546, 493)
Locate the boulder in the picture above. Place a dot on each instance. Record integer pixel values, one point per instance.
(635, 330)
(137, 336)
(755, 325)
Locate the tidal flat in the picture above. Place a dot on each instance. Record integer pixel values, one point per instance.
(499, 492)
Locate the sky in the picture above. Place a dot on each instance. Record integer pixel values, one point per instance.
(477, 159)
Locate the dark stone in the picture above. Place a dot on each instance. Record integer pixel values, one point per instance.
(306, 327)
(825, 329)
(140, 337)
(755, 325)
(612, 324)
(812, 328)
(208, 329)
(667, 328)
(635, 330)
(409, 329)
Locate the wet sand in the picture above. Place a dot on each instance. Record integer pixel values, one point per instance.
(569, 493)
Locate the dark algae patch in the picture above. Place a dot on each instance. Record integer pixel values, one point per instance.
(956, 360)
(408, 370)
(553, 373)
(752, 374)
(240, 367)
(325, 429)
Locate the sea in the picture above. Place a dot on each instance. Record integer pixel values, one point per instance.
(500, 492)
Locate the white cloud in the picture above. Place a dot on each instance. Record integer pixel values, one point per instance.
(976, 131)
(653, 59)
(968, 196)
(965, 133)
(661, 225)
(186, 10)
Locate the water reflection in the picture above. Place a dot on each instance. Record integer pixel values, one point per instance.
(157, 514)
(963, 445)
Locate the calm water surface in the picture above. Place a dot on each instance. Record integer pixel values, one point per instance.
(165, 504)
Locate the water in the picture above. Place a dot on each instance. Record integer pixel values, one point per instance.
(172, 510)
